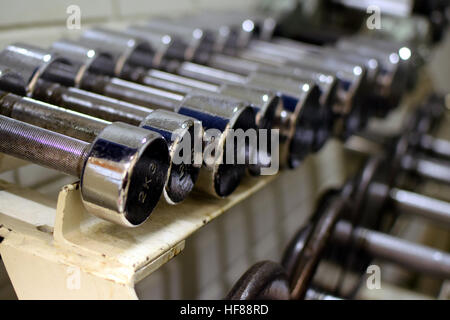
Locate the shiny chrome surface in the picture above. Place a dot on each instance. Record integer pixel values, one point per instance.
(86, 59)
(179, 131)
(252, 61)
(299, 99)
(122, 171)
(125, 174)
(29, 62)
(126, 50)
(210, 110)
(265, 102)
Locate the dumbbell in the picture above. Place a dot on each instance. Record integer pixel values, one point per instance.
(435, 146)
(222, 78)
(298, 130)
(122, 170)
(217, 178)
(309, 245)
(179, 131)
(408, 152)
(272, 57)
(216, 112)
(135, 69)
(298, 136)
(257, 70)
(401, 61)
(264, 100)
(387, 68)
(350, 74)
(180, 47)
(393, 60)
(182, 134)
(307, 248)
(375, 191)
(266, 105)
(164, 56)
(270, 280)
(370, 194)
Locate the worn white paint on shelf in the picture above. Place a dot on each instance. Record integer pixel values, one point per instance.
(110, 258)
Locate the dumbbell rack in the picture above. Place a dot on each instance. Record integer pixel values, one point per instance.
(45, 245)
(110, 257)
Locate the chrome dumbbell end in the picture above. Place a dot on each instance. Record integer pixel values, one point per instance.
(11, 81)
(357, 118)
(265, 103)
(213, 114)
(125, 49)
(322, 116)
(124, 174)
(267, 112)
(29, 63)
(180, 132)
(184, 136)
(220, 177)
(267, 106)
(163, 43)
(303, 132)
(89, 59)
